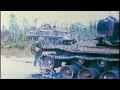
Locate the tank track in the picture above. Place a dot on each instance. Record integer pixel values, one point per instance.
(82, 57)
(71, 58)
(86, 63)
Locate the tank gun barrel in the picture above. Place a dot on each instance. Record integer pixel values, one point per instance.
(98, 39)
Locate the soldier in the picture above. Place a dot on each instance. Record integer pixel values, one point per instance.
(37, 55)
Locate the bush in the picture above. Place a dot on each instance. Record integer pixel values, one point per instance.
(21, 45)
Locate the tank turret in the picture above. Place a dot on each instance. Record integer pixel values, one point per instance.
(109, 30)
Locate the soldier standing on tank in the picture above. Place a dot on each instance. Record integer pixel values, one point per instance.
(37, 55)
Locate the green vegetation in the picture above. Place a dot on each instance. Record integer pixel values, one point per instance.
(15, 34)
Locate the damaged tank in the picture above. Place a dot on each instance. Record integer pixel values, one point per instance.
(85, 60)
(51, 35)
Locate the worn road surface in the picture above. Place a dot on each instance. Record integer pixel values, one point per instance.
(18, 68)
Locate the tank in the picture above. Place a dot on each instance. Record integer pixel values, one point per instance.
(51, 36)
(84, 60)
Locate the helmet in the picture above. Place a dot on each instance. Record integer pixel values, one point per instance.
(40, 39)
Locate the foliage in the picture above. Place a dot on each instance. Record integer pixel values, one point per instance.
(82, 32)
(21, 44)
(15, 35)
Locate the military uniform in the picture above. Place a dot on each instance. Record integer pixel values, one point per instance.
(37, 55)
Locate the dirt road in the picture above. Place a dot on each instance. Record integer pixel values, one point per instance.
(17, 68)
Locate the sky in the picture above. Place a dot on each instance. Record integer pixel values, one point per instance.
(56, 16)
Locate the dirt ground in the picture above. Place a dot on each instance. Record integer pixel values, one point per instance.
(16, 52)
(18, 68)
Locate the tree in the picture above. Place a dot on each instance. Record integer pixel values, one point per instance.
(25, 30)
(35, 21)
(77, 30)
(13, 26)
(93, 28)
